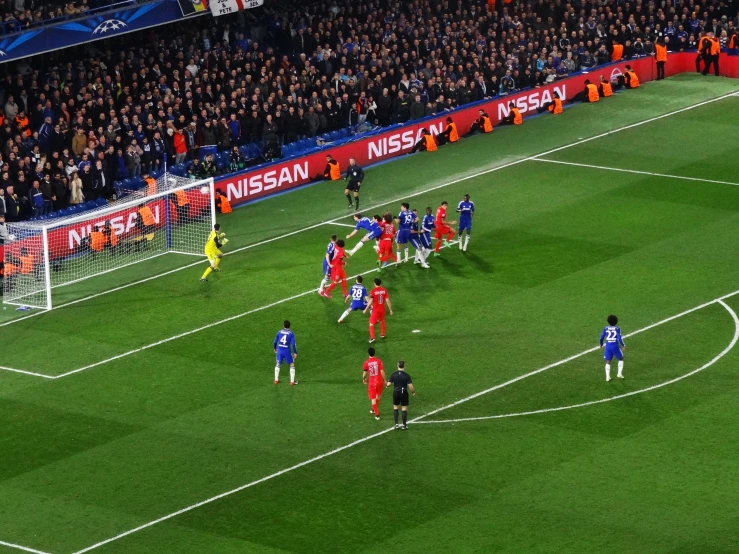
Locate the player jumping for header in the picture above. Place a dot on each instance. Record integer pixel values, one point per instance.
(466, 210)
(373, 232)
(386, 242)
(358, 296)
(610, 339)
(286, 352)
(377, 300)
(443, 228)
(338, 275)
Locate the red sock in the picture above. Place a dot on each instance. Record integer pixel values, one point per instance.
(372, 331)
(451, 234)
(376, 409)
(331, 287)
(343, 287)
(438, 245)
(382, 327)
(393, 256)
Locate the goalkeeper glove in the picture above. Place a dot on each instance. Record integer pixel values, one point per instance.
(224, 241)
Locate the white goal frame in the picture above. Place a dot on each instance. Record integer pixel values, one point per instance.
(28, 232)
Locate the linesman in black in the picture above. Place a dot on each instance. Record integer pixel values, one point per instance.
(401, 383)
(355, 176)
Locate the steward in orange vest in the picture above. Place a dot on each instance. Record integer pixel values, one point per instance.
(23, 124)
(427, 142)
(333, 169)
(712, 48)
(450, 134)
(25, 262)
(605, 89)
(514, 116)
(223, 206)
(111, 239)
(630, 78)
(481, 124)
(181, 204)
(151, 185)
(660, 56)
(733, 45)
(588, 94)
(617, 51)
(554, 107)
(98, 240)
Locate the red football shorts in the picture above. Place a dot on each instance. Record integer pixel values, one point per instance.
(374, 389)
(386, 247)
(443, 231)
(338, 274)
(376, 316)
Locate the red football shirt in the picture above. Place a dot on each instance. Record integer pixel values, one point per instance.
(388, 231)
(440, 217)
(338, 260)
(373, 366)
(379, 297)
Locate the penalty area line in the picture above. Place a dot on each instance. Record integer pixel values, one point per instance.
(723, 353)
(637, 172)
(395, 200)
(390, 429)
(21, 547)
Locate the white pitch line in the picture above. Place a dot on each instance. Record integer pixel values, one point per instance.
(24, 372)
(612, 398)
(380, 433)
(341, 224)
(650, 173)
(399, 199)
(23, 548)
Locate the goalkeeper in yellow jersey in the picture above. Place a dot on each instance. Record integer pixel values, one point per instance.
(216, 239)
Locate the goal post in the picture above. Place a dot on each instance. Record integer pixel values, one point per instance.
(170, 216)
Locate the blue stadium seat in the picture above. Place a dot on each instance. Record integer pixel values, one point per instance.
(90, 204)
(101, 202)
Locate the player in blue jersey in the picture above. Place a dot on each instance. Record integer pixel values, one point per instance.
(358, 297)
(415, 240)
(286, 351)
(610, 340)
(466, 210)
(427, 226)
(327, 263)
(373, 232)
(405, 221)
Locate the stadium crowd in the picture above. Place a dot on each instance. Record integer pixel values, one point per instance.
(71, 130)
(17, 15)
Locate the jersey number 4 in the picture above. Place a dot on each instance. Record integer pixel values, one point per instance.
(283, 340)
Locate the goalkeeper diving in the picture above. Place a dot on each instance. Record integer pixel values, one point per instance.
(216, 240)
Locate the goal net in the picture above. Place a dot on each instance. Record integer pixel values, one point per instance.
(172, 215)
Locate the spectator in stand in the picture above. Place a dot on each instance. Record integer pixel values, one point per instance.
(180, 146)
(75, 190)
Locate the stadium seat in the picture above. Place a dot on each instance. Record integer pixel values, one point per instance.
(101, 201)
(90, 204)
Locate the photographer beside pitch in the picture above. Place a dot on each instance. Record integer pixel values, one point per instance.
(401, 383)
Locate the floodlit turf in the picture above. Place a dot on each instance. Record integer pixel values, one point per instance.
(556, 248)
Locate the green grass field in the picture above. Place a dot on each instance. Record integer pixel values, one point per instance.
(157, 428)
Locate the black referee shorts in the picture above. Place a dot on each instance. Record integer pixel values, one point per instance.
(353, 186)
(400, 397)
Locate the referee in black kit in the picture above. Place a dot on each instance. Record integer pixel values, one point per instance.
(402, 383)
(355, 176)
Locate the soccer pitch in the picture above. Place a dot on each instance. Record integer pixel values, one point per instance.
(144, 419)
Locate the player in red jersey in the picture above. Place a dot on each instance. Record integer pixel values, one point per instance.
(338, 275)
(374, 377)
(443, 227)
(379, 297)
(386, 242)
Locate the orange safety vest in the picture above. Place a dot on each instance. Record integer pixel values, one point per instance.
(181, 198)
(734, 41)
(618, 52)
(334, 170)
(113, 238)
(22, 123)
(453, 134)
(224, 205)
(593, 95)
(430, 143)
(151, 186)
(487, 125)
(97, 240)
(147, 216)
(607, 88)
(661, 51)
(26, 264)
(556, 106)
(10, 269)
(517, 117)
(715, 46)
(633, 79)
